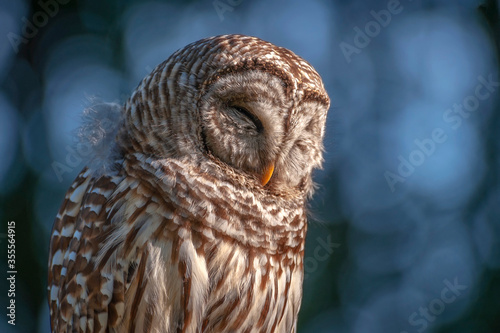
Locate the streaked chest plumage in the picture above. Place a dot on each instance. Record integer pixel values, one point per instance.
(237, 262)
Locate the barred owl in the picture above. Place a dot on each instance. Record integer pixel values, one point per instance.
(191, 214)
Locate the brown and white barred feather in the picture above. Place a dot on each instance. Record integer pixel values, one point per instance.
(176, 230)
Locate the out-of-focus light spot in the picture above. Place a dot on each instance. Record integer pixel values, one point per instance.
(326, 321)
(486, 231)
(441, 55)
(431, 156)
(69, 88)
(9, 123)
(450, 176)
(78, 69)
(43, 319)
(391, 240)
(448, 256)
(356, 100)
(362, 182)
(34, 142)
(150, 39)
(383, 312)
(11, 13)
(463, 4)
(148, 36)
(79, 50)
(277, 21)
(48, 198)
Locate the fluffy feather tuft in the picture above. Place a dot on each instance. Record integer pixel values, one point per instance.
(97, 134)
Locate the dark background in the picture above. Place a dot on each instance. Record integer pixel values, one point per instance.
(383, 244)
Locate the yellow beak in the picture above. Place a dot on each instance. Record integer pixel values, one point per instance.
(268, 173)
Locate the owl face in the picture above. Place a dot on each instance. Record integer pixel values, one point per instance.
(255, 110)
(247, 124)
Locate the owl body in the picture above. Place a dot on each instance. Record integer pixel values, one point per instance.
(195, 220)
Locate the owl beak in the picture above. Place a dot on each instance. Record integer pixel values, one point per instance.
(268, 173)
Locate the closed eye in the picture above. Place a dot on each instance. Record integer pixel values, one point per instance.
(250, 117)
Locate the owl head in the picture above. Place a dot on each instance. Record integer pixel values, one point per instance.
(255, 110)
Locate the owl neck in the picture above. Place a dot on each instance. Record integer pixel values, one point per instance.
(213, 206)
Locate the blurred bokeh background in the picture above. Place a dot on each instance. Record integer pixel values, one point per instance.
(405, 227)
